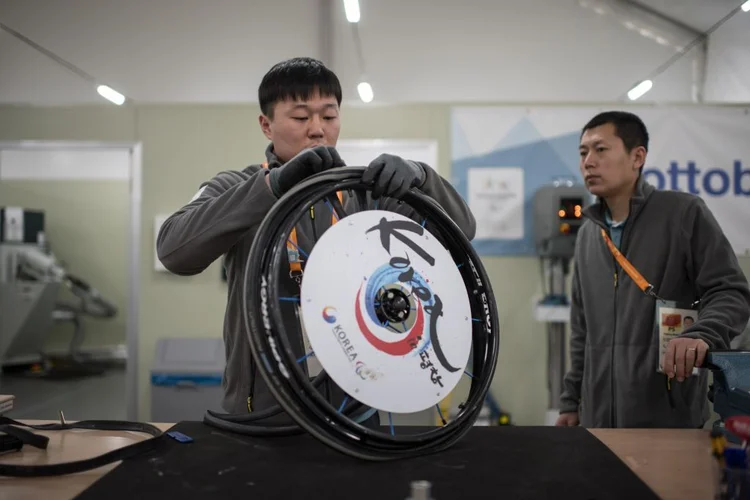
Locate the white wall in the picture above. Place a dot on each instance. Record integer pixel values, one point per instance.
(415, 50)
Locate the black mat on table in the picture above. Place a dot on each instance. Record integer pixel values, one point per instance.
(490, 462)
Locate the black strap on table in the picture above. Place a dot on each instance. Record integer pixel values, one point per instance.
(15, 428)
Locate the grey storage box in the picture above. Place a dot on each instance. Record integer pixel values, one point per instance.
(186, 378)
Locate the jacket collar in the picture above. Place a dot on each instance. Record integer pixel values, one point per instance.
(597, 210)
(271, 158)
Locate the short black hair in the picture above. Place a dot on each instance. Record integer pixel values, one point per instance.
(628, 127)
(297, 78)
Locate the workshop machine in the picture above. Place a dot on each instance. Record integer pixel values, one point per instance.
(730, 390)
(31, 281)
(558, 215)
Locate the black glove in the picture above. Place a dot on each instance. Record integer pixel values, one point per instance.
(308, 162)
(392, 176)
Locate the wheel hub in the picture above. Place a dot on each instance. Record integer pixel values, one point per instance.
(392, 305)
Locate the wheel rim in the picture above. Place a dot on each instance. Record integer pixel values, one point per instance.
(279, 363)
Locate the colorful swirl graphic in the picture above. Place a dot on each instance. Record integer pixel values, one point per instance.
(387, 275)
(399, 348)
(328, 314)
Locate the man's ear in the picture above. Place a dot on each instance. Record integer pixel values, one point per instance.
(639, 157)
(265, 125)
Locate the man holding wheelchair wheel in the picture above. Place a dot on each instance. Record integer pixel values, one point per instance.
(300, 101)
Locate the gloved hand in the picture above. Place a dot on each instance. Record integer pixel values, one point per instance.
(392, 176)
(308, 162)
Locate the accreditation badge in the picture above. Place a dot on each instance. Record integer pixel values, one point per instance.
(671, 320)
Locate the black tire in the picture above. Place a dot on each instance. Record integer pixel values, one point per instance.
(276, 360)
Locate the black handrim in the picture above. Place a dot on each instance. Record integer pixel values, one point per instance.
(273, 353)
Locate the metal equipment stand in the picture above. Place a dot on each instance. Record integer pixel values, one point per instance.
(558, 215)
(557, 347)
(554, 311)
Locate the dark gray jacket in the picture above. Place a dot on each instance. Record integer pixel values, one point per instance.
(673, 240)
(223, 220)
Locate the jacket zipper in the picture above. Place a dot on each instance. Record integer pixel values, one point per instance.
(614, 332)
(625, 229)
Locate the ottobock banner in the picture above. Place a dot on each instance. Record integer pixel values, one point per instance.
(502, 155)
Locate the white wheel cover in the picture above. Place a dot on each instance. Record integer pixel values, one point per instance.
(406, 366)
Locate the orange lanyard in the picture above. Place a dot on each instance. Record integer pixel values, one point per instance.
(292, 249)
(639, 280)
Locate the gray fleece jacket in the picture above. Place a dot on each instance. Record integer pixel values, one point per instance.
(673, 240)
(223, 220)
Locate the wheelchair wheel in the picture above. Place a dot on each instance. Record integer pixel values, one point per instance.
(396, 309)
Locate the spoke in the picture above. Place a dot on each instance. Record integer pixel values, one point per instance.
(343, 404)
(390, 422)
(364, 416)
(289, 240)
(459, 265)
(336, 208)
(388, 325)
(466, 372)
(289, 299)
(440, 413)
(311, 353)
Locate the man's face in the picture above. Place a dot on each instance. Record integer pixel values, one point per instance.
(606, 167)
(298, 125)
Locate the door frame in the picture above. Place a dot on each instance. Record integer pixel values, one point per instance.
(134, 254)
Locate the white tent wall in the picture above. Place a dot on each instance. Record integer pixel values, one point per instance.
(513, 51)
(415, 50)
(728, 73)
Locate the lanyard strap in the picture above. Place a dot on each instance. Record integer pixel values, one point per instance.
(292, 249)
(639, 280)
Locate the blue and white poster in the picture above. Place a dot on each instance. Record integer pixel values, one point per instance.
(502, 155)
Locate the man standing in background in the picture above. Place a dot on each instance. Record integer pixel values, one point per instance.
(300, 103)
(643, 258)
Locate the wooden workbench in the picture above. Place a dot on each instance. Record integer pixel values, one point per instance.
(676, 464)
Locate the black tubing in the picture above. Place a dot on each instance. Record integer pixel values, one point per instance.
(238, 422)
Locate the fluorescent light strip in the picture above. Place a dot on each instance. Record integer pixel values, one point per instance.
(640, 89)
(110, 94)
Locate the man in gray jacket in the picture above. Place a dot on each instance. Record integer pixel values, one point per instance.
(627, 368)
(299, 100)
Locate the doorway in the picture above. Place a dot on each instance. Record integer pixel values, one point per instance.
(71, 278)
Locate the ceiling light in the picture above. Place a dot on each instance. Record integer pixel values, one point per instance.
(640, 89)
(746, 6)
(351, 7)
(365, 92)
(111, 94)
